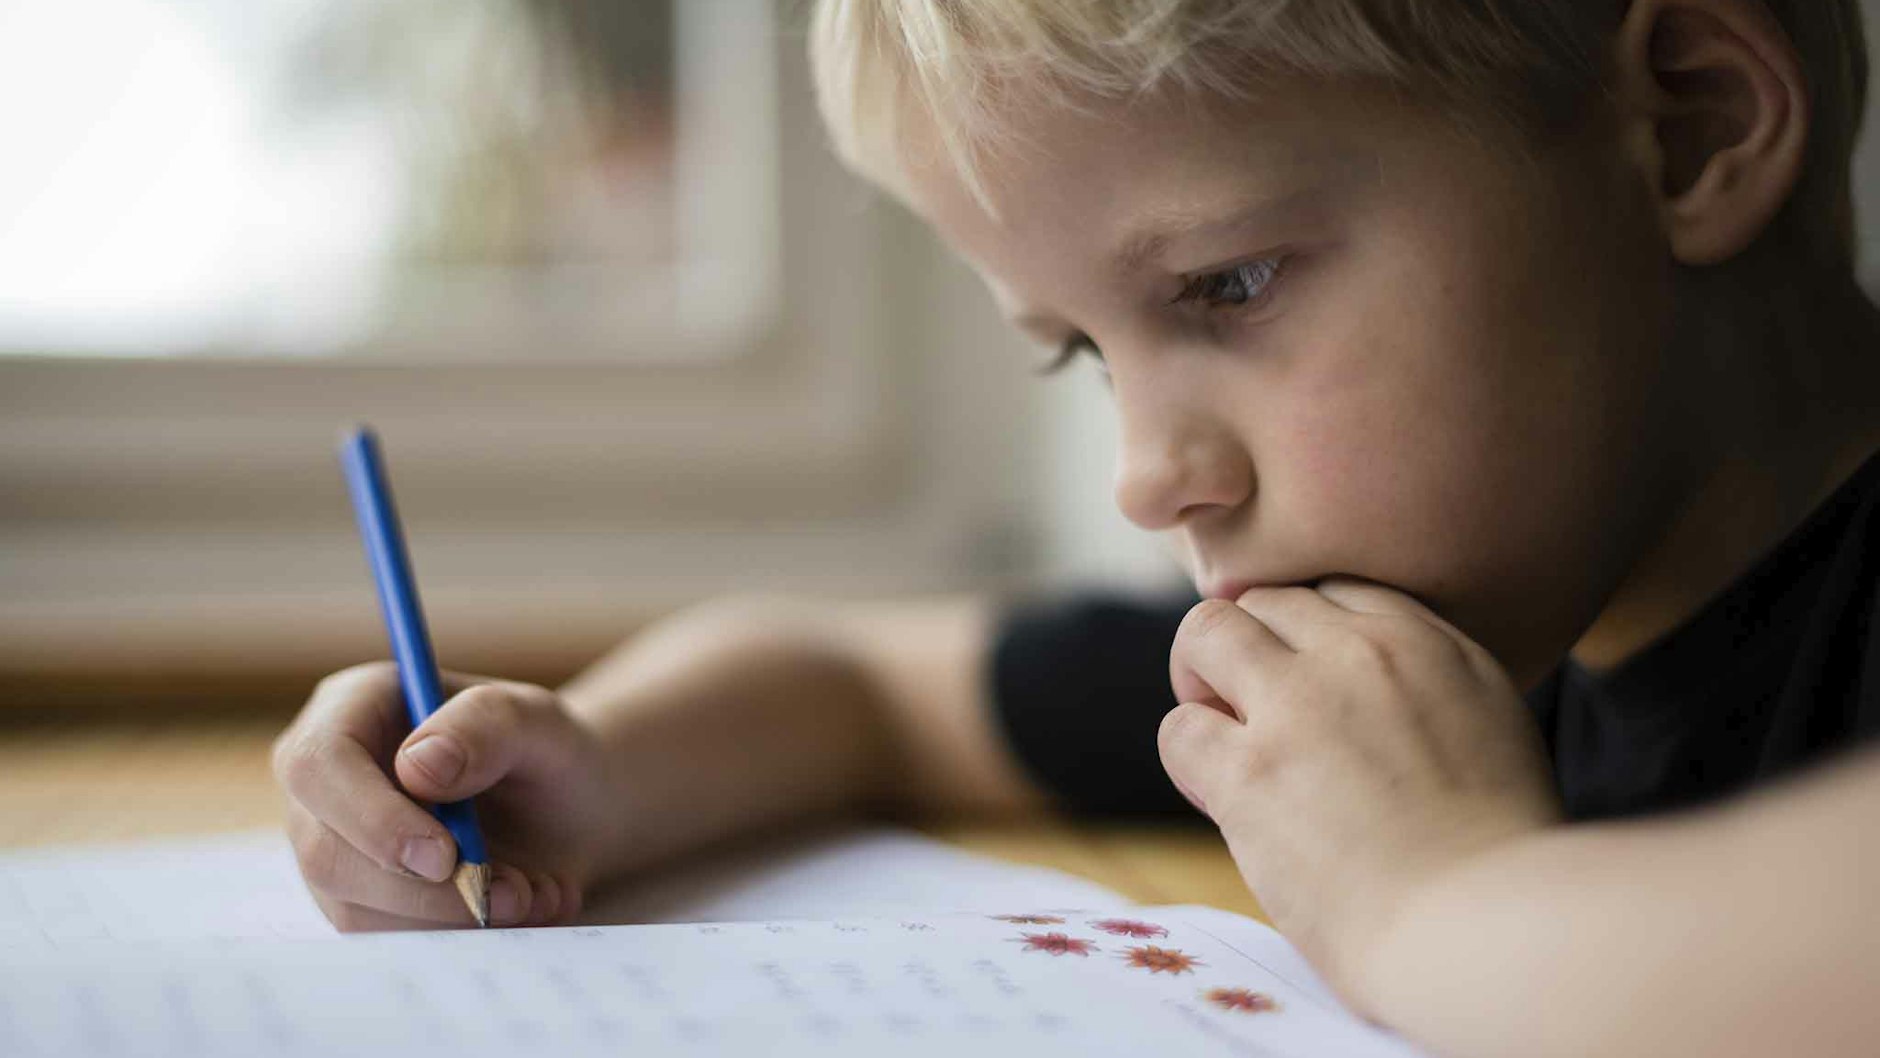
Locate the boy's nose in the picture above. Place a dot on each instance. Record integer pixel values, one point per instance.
(1167, 473)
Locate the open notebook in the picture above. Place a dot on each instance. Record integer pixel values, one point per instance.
(859, 943)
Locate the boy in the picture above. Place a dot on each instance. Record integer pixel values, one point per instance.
(1452, 340)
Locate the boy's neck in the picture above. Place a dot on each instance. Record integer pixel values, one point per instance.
(1791, 409)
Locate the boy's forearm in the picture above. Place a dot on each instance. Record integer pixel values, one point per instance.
(1747, 930)
(723, 721)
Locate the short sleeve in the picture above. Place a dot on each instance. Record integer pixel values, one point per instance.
(1080, 684)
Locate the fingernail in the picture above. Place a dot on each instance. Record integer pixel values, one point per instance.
(437, 756)
(505, 901)
(425, 857)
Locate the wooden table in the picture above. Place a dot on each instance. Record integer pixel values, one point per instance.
(116, 782)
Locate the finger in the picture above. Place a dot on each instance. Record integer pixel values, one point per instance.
(1197, 743)
(481, 735)
(335, 778)
(363, 703)
(335, 869)
(1363, 596)
(571, 900)
(546, 903)
(554, 900)
(511, 895)
(1224, 654)
(1300, 617)
(367, 703)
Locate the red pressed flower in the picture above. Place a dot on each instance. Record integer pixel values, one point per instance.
(1241, 1000)
(1129, 927)
(1057, 943)
(1160, 960)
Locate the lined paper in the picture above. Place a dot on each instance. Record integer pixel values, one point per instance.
(825, 945)
(1134, 981)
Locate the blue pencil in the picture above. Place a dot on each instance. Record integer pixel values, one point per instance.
(411, 644)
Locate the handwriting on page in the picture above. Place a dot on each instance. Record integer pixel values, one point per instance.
(954, 985)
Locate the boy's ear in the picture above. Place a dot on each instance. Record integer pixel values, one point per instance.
(1714, 102)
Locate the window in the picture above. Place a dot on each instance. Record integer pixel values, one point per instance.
(442, 180)
(687, 357)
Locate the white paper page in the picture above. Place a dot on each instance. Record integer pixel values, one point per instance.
(1141, 981)
(246, 886)
(229, 886)
(873, 872)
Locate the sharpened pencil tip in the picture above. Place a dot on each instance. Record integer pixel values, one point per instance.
(473, 883)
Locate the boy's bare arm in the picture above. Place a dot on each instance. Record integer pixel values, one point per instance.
(1384, 789)
(747, 713)
(1745, 930)
(929, 663)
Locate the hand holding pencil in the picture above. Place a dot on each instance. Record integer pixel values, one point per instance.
(358, 776)
(384, 540)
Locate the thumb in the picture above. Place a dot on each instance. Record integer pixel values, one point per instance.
(480, 736)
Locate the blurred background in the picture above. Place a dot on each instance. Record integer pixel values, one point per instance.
(630, 334)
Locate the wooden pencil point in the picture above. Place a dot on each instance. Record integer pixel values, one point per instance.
(473, 881)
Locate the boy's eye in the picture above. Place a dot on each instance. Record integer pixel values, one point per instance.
(1234, 287)
(1076, 345)
(1231, 287)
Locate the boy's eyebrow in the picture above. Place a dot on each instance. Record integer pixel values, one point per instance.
(1150, 241)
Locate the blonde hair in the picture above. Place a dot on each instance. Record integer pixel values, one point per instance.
(1532, 64)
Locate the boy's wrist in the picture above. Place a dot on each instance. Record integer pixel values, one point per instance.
(1426, 918)
(716, 720)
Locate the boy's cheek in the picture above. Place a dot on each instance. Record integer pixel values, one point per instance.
(1350, 511)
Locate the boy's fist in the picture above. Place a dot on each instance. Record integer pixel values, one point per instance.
(1352, 746)
(374, 858)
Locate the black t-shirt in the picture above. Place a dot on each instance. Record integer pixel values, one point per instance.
(1777, 671)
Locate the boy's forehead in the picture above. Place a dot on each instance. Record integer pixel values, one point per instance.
(1112, 185)
(1119, 179)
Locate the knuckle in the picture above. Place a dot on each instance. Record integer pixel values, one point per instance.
(281, 753)
(381, 827)
(1294, 599)
(1178, 727)
(529, 698)
(488, 705)
(1367, 650)
(1483, 663)
(296, 760)
(369, 675)
(329, 684)
(1410, 632)
(375, 674)
(1206, 618)
(320, 857)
